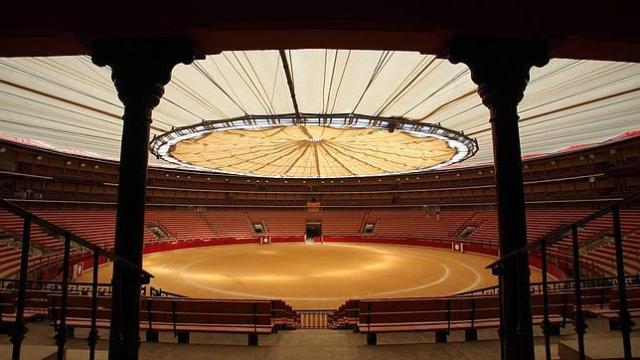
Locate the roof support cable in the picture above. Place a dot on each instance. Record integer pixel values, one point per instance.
(344, 70)
(215, 83)
(289, 74)
(382, 61)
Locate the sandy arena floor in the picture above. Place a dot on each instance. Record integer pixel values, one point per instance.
(314, 276)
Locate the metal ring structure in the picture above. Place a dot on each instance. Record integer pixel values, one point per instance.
(461, 146)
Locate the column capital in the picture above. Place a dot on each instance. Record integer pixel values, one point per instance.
(141, 67)
(499, 66)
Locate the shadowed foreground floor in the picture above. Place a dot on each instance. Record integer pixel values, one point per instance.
(317, 344)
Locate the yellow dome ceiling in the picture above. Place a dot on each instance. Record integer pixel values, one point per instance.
(313, 147)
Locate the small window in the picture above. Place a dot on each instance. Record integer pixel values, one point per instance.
(258, 227)
(369, 228)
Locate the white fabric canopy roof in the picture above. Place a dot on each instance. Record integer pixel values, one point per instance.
(69, 103)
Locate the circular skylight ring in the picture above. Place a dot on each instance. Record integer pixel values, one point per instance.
(355, 146)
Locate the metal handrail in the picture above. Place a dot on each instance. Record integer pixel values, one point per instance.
(499, 268)
(563, 231)
(73, 237)
(19, 329)
(54, 285)
(558, 285)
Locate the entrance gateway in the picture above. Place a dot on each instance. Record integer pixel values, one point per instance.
(313, 232)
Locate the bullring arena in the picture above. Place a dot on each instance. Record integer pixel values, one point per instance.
(318, 276)
(239, 180)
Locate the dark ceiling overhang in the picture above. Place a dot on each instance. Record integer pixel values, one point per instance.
(605, 31)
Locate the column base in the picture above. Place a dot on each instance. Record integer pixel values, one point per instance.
(441, 336)
(253, 340)
(183, 337)
(471, 335)
(152, 336)
(372, 339)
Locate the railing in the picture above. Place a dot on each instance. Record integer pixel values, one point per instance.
(76, 288)
(621, 280)
(559, 285)
(314, 319)
(79, 288)
(162, 293)
(17, 330)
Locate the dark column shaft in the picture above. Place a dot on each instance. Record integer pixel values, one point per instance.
(500, 68)
(140, 69)
(130, 228)
(512, 234)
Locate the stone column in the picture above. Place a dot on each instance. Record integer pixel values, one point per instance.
(140, 69)
(500, 68)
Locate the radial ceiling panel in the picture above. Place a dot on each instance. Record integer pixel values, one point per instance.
(313, 151)
(71, 104)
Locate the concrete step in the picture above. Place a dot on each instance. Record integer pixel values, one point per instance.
(597, 349)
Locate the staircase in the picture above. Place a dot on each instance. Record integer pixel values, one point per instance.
(596, 243)
(159, 231)
(14, 240)
(209, 224)
(467, 228)
(364, 220)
